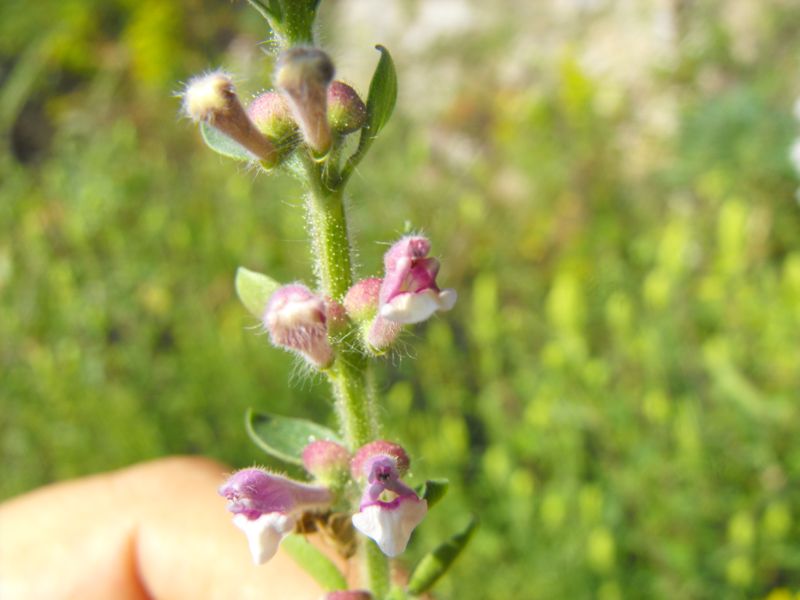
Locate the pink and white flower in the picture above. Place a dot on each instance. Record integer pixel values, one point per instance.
(266, 507)
(409, 293)
(389, 510)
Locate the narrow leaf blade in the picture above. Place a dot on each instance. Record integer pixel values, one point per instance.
(382, 94)
(285, 437)
(222, 144)
(434, 565)
(254, 290)
(433, 490)
(315, 563)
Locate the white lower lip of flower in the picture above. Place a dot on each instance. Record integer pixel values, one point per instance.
(410, 308)
(391, 527)
(265, 533)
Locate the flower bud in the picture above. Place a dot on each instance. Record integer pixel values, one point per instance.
(361, 300)
(361, 465)
(296, 320)
(409, 293)
(211, 99)
(361, 303)
(303, 74)
(346, 111)
(272, 116)
(327, 461)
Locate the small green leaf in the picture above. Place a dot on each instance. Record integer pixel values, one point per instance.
(396, 593)
(380, 105)
(434, 565)
(382, 94)
(285, 437)
(314, 562)
(270, 10)
(433, 490)
(222, 144)
(254, 290)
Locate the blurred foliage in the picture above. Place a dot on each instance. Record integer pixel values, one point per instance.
(616, 393)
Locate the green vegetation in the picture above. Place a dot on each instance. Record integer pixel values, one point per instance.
(617, 392)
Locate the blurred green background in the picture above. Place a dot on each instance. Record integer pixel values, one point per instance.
(609, 188)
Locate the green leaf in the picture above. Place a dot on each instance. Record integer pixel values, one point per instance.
(434, 565)
(382, 94)
(285, 437)
(222, 144)
(270, 10)
(380, 105)
(314, 562)
(433, 490)
(396, 593)
(254, 290)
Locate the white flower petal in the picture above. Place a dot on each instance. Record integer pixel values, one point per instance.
(391, 527)
(265, 533)
(447, 299)
(409, 308)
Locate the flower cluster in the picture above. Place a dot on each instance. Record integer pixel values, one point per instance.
(308, 100)
(267, 507)
(299, 320)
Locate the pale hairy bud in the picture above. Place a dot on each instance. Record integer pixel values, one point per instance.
(211, 99)
(303, 74)
(296, 319)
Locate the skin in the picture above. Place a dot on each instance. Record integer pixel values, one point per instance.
(155, 530)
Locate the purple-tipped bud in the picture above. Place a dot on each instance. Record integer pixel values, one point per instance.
(211, 99)
(327, 461)
(346, 111)
(266, 506)
(348, 595)
(296, 319)
(409, 293)
(389, 509)
(303, 74)
(361, 465)
(271, 114)
(361, 303)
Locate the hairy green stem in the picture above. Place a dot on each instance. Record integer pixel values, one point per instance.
(377, 570)
(349, 374)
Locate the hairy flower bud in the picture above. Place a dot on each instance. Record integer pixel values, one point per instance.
(346, 111)
(361, 303)
(303, 74)
(361, 465)
(266, 506)
(211, 99)
(409, 293)
(327, 461)
(271, 114)
(296, 320)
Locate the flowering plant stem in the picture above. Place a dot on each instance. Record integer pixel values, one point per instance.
(349, 374)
